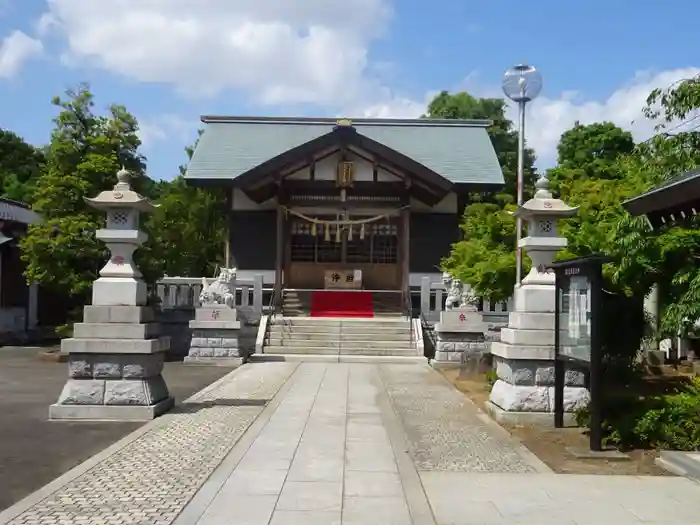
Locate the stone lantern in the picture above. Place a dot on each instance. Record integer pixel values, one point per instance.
(524, 357)
(116, 356)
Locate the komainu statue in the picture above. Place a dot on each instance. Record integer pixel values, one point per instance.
(458, 295)
(222, 291)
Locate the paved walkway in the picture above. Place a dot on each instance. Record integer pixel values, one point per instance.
(282, 444)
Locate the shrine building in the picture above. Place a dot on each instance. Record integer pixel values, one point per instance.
(362, 204)
(670, 202)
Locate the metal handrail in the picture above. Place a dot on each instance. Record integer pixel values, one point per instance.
(272, 302)
(408, 309)
(427, 330)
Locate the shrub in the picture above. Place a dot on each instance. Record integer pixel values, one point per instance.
(669, 421)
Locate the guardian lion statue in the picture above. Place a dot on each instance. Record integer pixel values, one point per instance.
(458, 295)
(222, 291)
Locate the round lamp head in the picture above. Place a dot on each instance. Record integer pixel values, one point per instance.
(522, 83)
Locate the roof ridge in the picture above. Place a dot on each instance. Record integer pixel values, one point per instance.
(364, 121)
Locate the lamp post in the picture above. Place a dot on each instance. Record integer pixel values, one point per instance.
(521, 83)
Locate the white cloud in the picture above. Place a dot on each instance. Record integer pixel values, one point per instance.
(549, 117)
(280, 51)
(153, 130)
(15, 50)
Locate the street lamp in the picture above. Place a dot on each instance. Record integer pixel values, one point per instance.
(521, 84)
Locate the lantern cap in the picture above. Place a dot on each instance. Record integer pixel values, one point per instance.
(544, 204)
(121, 196)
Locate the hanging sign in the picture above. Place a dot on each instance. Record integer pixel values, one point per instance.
(346, 174)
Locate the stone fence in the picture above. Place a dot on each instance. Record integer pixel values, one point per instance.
(432, 302)
(179, 296)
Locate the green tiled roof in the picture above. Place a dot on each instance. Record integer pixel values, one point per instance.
(460, 151)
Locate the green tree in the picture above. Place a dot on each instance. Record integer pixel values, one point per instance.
(502, 132)
(188, 228)
(85, 152)
(667, 256)
(20, 167)
(485, 257)
(589, 151)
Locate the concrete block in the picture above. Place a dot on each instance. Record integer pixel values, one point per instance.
(136, 413)
(534, 298)
(116, 330)
(135, 391)
(520, 398)
(461, 320)
(79, 366)
(215, 325)
(142, 366)
(215, 313)
(107, 367)
(119, 291)
(82, 392)
(117, 314)
(115, 346)
(532, 353)
(531, 321)
(514, 336)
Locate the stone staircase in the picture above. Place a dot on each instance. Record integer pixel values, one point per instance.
(297, 303)
(344, 340)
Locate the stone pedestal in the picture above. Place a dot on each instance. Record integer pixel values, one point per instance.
(115, 358)
(524, 363)
(524, 357)
(115, 362)
(460, 338)
(216, 337)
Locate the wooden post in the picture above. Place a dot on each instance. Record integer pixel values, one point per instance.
(279, 258)
(227, 242)
(258, 296)
(425, 296)
(405, 253)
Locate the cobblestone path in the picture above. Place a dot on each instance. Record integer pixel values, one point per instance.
(339, 444)
(446, 431)
(152, 478)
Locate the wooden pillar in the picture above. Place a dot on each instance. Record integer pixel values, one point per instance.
(279, 258)
(406, 253)
(229, 218)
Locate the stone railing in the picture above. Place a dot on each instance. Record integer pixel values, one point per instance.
(182, 293)
(432, 302)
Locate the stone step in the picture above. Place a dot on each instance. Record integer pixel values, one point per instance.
(334, 321)
(343, 344)
(350, 330)
(358, 338)
(329, 350)
(266, 357)
(320, 350)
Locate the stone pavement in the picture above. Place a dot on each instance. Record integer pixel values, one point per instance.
(313, 443)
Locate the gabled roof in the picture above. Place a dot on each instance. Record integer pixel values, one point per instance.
(17, 212)
(460, 151)
(670, 201)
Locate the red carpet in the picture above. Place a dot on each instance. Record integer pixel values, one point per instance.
(338, 303)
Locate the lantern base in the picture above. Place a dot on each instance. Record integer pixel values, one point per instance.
(119, 291)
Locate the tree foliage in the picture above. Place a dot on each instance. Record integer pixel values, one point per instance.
(485, 258)
(502, 132)
(85, 152)
(589, 152)
(189, 228)
(20, 167)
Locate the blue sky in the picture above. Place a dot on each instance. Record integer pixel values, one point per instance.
(170, 61)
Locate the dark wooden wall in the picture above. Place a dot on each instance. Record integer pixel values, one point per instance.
(432, 235)
(253, 236)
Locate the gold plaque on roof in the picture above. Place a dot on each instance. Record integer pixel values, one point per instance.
(343, 122)
(346, 174)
